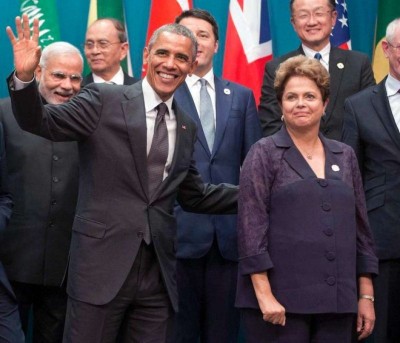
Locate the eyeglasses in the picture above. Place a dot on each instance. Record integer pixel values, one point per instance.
(306, 16)
(59, 76)
(395, 47)
(101, 44)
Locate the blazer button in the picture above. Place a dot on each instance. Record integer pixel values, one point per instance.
(330, 256)
(55, 157)
(328, 232)
(326, 206)
(55, 179)
(331, 280)
(323, 183)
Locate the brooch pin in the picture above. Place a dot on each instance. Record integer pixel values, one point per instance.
(335, 167)
(340, 65)
(227, 91)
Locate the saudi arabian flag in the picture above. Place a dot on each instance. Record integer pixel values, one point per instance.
(109, 9)
(388, 10)
(46, 12)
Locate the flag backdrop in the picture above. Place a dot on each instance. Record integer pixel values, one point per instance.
(248, 43)
(109, 9)
(46, 12)
(341, 32)
(388, 10)
(164, 12)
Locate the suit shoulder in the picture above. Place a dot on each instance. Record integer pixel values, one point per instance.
(274, 63)
(362, 95)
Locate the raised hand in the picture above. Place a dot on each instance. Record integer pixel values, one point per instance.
(25, 47)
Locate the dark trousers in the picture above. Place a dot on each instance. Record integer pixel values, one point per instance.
(206, 289)
(10, 324)
(387, 303)
(48, 305)
(140, 313)
(299, 328)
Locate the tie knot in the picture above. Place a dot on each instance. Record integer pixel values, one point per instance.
(162, 109)
(203, 82)
(318, 56)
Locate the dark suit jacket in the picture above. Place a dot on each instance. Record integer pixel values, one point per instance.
(350, 72)
(369, 127)
(311, 235)
(43, 180)
(114, 207)
(128, 80)
(237, 128)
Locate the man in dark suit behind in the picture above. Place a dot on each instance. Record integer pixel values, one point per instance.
(43, 180)
(350, 71)
(106, 45)
(122, 257)
(372, 128)
(10, 324)
(207, 245)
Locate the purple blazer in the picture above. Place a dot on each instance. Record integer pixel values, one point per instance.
(311, 235)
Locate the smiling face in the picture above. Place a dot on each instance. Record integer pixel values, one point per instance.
(302, 104)
(56, 90)
(207, 44)
(313, 21)
(168, 62)
(103, 49)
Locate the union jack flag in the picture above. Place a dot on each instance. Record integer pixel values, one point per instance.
(248, 43)
(341, 32)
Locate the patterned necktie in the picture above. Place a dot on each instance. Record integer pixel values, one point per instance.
(158, 153)
(318, 56)
(207, 114)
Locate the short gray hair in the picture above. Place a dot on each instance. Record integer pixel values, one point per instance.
(56, 49)
(177, 29)
(391, 28)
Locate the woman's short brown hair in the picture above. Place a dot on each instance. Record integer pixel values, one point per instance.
(301, 66)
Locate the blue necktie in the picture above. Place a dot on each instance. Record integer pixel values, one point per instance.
(318, 56)
(207, 114)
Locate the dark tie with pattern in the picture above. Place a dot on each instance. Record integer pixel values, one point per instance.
(157, 157)
(318, 56)
(207, 114)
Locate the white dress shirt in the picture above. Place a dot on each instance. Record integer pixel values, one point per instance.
(324, 53)
(118, 78)
(392, 90)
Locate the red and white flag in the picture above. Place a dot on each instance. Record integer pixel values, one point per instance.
(340, 35)
(164, 12)
(248, 43)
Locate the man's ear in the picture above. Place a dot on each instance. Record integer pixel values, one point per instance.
(38, 72)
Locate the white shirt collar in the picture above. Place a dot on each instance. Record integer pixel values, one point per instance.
(209, 77)
(118, 78)
(392, 85)
(151, 98)
(324, 52)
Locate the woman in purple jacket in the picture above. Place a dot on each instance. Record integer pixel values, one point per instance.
(305, 246)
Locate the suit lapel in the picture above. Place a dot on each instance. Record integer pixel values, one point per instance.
(333, 159)
(223, 98)
(185, 101)
(382, 108)
(337, 65)
(135, 118)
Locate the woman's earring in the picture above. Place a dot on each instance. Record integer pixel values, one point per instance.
(282, 117)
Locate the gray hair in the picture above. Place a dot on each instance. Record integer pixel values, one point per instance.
(177, 29)
(391, 28)
(56, 49)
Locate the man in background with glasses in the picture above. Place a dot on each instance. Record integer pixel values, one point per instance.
(372, 128)
(43, 181)
(350, 71)
(105, 47)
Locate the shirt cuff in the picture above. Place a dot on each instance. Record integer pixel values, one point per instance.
(18, 84)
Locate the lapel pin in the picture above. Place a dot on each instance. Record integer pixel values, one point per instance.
(227, 91)
(340, 65)
(184, 127)
(335, 167)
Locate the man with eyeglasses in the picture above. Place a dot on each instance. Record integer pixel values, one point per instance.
(350, 71)
(105, 47)
(372, 128)
(43, 180)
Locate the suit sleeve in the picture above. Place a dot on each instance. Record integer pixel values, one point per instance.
(252, 129)
(269, 111)
(351, 134)
(5, 197)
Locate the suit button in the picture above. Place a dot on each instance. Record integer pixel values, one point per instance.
(323, 183)
(326, 206)
(330, 256)
(331, 280)
(55, 179)
(140, 234)
(54, 202)
(328, 232)
(55, 157)
(51, 225)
